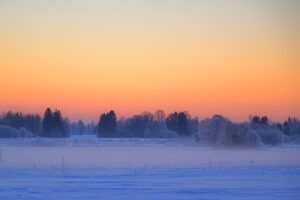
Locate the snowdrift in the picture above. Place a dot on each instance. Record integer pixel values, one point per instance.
(134, 153)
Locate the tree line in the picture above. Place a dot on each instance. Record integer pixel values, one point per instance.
(147, 125)
(155, 125)
(51, 125)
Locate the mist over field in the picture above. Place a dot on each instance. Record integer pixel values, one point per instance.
(175, 156)
(148, 155)
(117, 168)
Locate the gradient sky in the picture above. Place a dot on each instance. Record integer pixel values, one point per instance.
(233, 57)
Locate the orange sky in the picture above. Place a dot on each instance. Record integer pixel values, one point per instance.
(233, 57)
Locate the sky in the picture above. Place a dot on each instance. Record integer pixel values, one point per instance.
(235, 57)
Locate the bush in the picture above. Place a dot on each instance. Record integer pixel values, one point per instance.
(9, 132)
(271, 136)
(222, 132)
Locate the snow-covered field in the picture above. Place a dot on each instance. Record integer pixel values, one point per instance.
(89, 168)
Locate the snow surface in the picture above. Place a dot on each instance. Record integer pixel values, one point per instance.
(90, 168)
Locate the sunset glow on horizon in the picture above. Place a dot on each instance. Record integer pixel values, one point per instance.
(234, 58)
